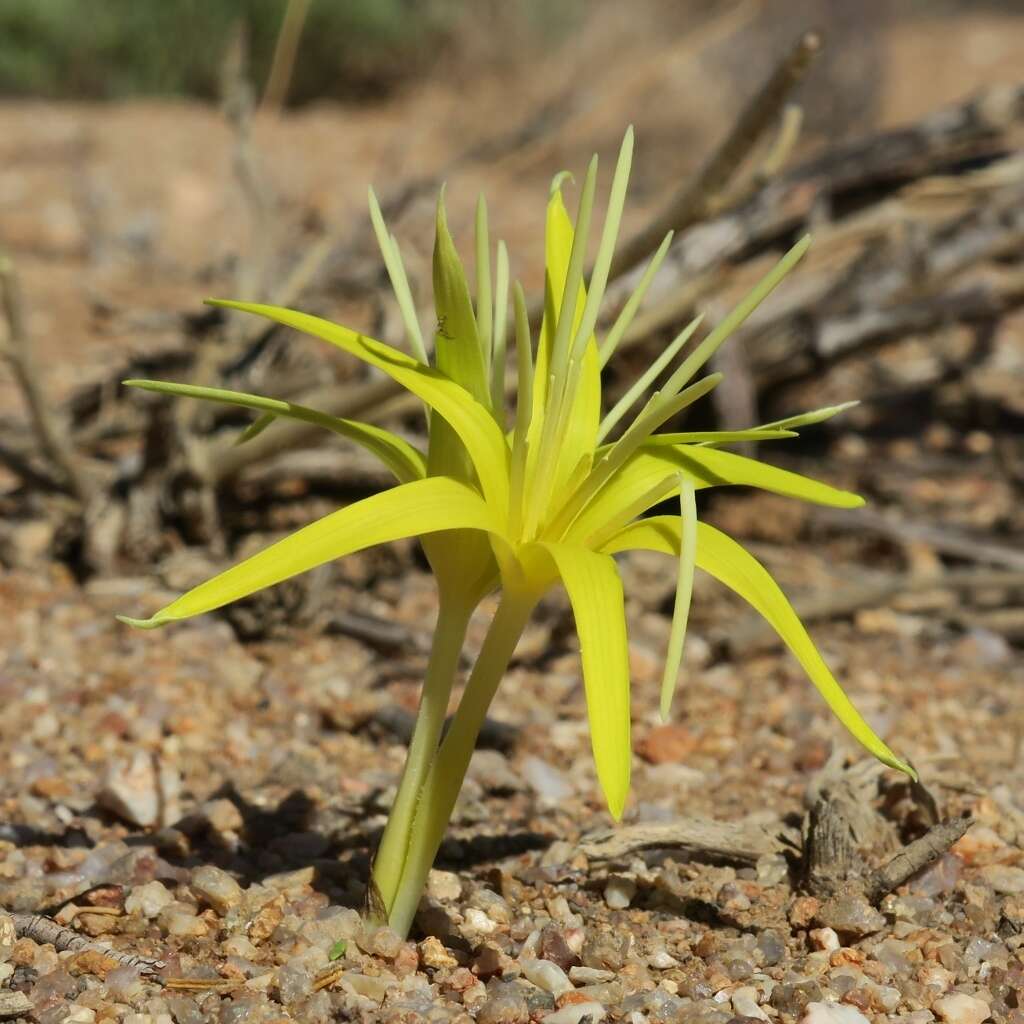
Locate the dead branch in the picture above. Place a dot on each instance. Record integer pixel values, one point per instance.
(45, 930)
(754, 634)
(699, 197)
(946, 540)
(16, 348)
(843, 827)
(916, 857)
(737, 842)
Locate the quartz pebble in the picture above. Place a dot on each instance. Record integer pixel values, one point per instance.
(960, 1008)
(589, 975)
(433, 954)
(545, 780)
(619, 892)
(832, 1013)
(1004, 878)
(576, 1012)
(851, 915)
(504, 1005)
(744, 1003)
(148, 899)
(824, 938)
(443, 886)
(546, 975)
(216, 887)
(140, 791)
(662, 961)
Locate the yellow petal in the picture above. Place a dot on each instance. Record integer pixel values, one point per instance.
(475, 426)
(420, 507)
(396, 453)
(734, 566)
(707, 467)
(595, 592)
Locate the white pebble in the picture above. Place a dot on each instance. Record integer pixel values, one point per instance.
(832, 1013)
(619, 892)
(662, 961)
(477, 921)
(575, 1012)
(148, 899)
(589, 975)
(824, 938)
(744, 1003)
(546, 975)
(443, 886)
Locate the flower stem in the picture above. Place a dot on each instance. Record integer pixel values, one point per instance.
(444, 780)
(449, 634)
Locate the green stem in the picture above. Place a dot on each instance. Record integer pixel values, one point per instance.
(453, 617)
(444, 780)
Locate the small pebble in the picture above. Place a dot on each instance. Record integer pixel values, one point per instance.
(959, 1008)
(443, 886)
(8, 936)
(851, 915)
(433, 954)
(216, 887)
(545, 780)
(1004, 878)
(824, 938)
(589, 975)
(619, 892)
(546, 975)
(744, 1003)
(832, 1013)
(148, 900)
(662, 960)
(505, 1005)
(576, 1012)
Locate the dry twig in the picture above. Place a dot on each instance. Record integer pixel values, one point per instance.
(45, 930)
(738, 842)
(17, 350)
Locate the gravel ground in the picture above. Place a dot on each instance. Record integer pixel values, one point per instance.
(181, 796)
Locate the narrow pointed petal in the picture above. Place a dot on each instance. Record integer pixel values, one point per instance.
(392, 257)
(646, 379)
(710, 467)
(684, 593)
(457, 345)
(721, 557)
(572, 433)
(421, 507)
(736, 317)
(482, 437)
(595, 592)
(807, 419)
(705, 437)
(397, 454)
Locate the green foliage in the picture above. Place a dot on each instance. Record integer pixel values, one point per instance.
(114, 48)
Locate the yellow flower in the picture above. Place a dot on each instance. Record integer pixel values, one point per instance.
(546, 493)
